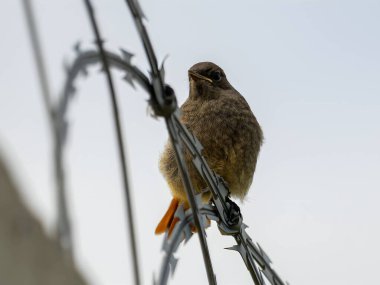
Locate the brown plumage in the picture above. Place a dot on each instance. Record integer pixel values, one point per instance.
(223, 122)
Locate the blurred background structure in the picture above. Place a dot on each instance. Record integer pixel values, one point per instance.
(28, 255)
(308, 68)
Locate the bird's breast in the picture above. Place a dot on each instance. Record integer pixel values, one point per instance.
(231, 138)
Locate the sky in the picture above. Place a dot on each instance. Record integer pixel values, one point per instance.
(309, 70)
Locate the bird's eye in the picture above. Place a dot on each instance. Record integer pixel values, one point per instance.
(216, 75)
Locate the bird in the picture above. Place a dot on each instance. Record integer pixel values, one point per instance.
(221, 119)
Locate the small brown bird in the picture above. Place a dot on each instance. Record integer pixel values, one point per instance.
(223, 122)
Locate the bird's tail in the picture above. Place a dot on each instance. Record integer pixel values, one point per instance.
(168, 221)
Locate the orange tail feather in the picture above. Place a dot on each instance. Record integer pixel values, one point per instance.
(167, 219)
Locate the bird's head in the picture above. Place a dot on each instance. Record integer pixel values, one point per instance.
(207, 80)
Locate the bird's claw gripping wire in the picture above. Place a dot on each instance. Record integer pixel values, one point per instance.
(232, 215)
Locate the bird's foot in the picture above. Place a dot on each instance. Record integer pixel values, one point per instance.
(232, 215)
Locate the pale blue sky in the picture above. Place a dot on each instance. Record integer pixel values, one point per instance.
(310, 71)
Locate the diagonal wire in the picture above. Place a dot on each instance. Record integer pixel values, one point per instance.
(158, 83)
(177, 145)
(164, 109)
(119, 140)
(64, 225)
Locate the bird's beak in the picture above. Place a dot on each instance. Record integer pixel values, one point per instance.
(196, 76)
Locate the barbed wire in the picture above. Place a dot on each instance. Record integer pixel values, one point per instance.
(163, 103)
(255, 258)
(223, 211)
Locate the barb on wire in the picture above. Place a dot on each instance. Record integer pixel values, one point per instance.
(162, 102)
(120, 141)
